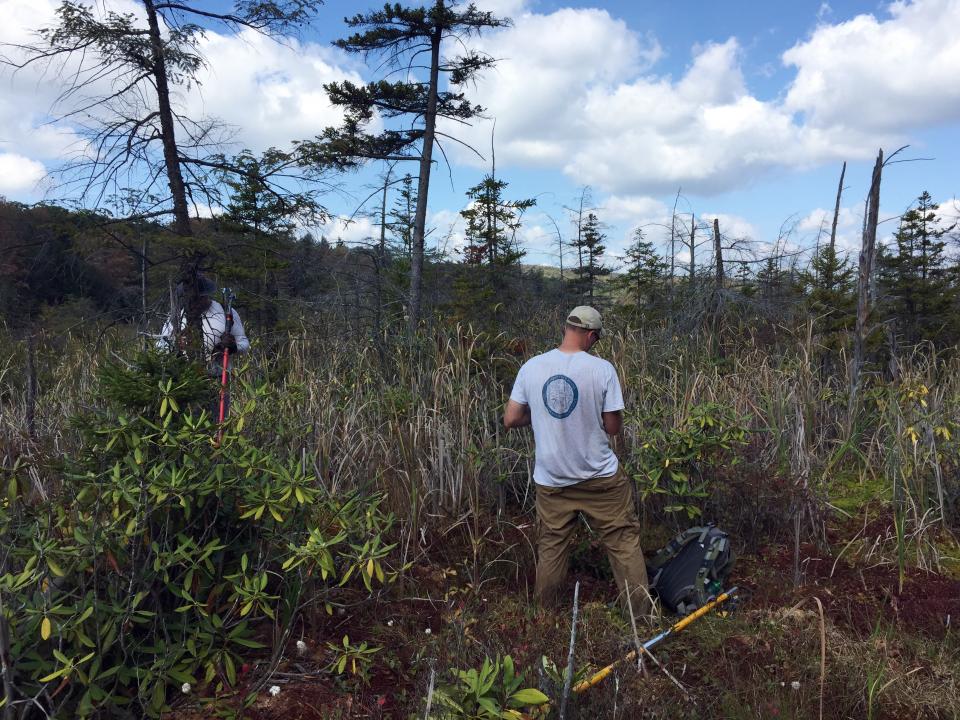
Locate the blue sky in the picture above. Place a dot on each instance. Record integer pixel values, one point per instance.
(749, 109)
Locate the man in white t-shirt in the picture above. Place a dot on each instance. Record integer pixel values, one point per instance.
(574, 402)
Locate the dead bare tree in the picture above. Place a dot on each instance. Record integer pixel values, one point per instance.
(836, 210)
(691, 242)
(583, 208)
(718, 254)
(693, 256)
(673, 242)
(118, 75)
(864, 295)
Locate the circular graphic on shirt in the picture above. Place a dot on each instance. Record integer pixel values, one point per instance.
(560, 396)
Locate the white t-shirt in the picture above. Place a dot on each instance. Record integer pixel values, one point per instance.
(214, 324)
(566, 393)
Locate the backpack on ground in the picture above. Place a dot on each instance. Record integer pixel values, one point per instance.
(692, 569)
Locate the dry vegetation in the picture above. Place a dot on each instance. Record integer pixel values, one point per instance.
(844, 523)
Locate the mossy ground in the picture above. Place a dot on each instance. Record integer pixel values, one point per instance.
(888, 651)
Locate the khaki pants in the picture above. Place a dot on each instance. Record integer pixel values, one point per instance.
(608, 504)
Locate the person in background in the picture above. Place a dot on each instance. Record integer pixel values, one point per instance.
(574, 402)
(213, 322)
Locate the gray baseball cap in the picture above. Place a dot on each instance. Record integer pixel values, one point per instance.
(584, 316)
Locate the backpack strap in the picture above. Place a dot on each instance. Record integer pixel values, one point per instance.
(708, 565)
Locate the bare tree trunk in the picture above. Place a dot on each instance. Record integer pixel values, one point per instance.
(563, 295)
(836, 209)
(423, 183)
(718, 253)
(381, 259)
(717, 304)
(833, 228)
(693, 263)
(190, 302)
(865, 297)
(171, 158)
(673, 243)
(31, 385)
(144, 249)
(491, 210)
(580, 247)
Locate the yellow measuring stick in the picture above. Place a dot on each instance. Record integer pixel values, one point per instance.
(601, 674)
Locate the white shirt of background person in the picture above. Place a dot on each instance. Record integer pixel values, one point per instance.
(214, 324)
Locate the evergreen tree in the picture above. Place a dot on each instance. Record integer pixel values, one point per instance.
(746, 282)
(830, 285)
(644, 277)
(492, 225)
(590, 250)
(776, 284)
(400, 35)
(918, 295)
(401, 220)
(402, 216)
(483, 285)
(255, 204)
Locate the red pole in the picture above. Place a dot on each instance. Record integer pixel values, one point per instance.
(223, 393)
(225, 374)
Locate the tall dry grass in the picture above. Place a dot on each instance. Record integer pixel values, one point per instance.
(421, 421)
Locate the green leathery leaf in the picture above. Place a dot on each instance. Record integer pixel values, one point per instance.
(528, 696)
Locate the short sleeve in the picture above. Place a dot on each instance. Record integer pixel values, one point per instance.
(612, 394)
(519, 392)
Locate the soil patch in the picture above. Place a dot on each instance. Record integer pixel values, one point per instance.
(853, 596)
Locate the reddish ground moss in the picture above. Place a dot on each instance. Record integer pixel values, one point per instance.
(472, 597)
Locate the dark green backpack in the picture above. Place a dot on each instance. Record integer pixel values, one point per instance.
(692, 569)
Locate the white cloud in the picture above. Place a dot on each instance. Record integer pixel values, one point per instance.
(446, 231)
(813, 229)
(546, 66)
(353, 231)
(445, 228)
(949, 213)
(538, 237)
(203, 210)
(888, 75)
(579, 91)
(576, 90)
(732, 227)
(820, 218)
(573, 90)
(21, 19)
(270, 92)
(27, 95)
(19, 174)
(503, 8)
(636, 209)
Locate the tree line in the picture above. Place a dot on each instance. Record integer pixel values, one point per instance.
(148, 167)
